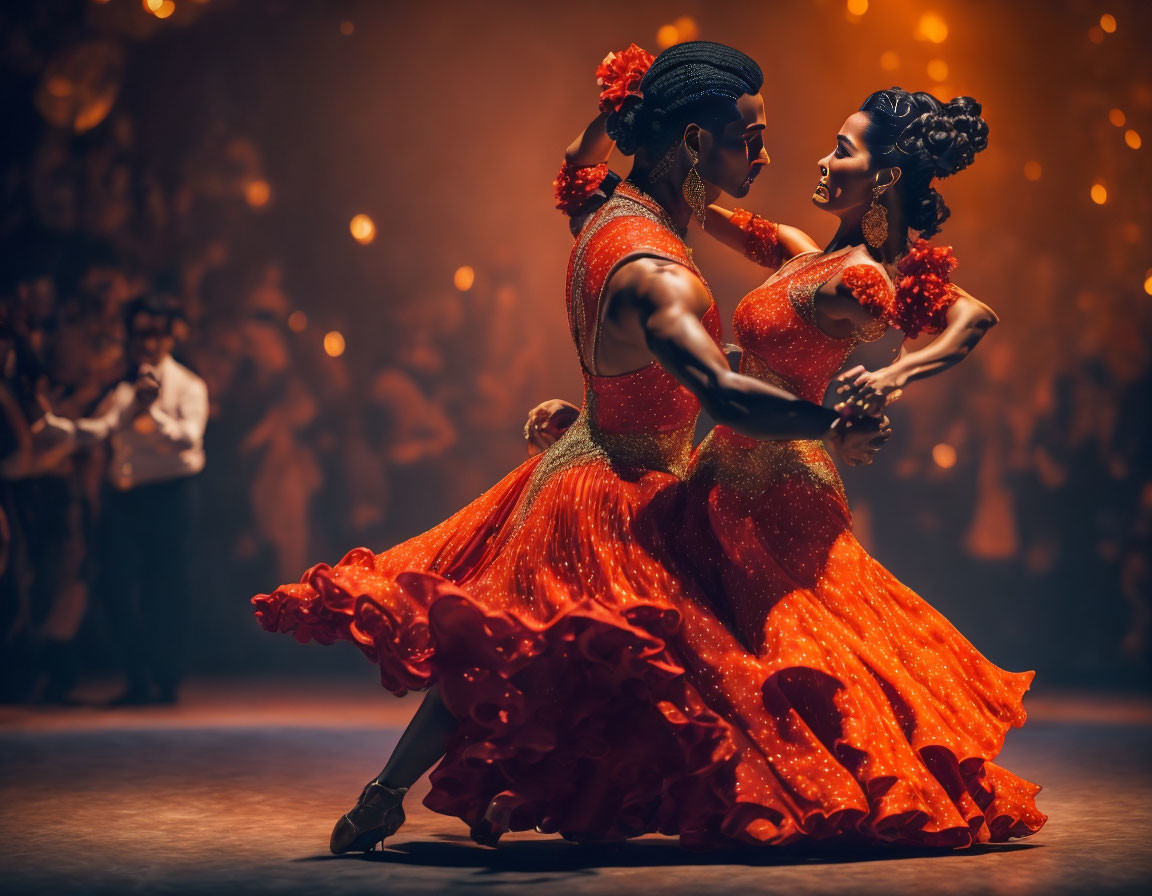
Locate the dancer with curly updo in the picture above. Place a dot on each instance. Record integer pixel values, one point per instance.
(884, 720)
(560, 649)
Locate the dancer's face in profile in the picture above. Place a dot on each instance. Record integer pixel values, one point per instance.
(847, 174)
(730, 159)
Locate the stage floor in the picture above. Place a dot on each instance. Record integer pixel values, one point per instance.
(236, 790)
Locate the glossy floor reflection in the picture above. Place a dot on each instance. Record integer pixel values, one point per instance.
(236, 790)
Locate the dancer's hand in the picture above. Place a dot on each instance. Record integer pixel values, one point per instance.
(868, 391)
(855, 440)
(547, 422)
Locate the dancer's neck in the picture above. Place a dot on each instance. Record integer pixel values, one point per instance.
(666, 194)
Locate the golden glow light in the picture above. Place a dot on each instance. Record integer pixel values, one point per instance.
(889, 61)
(363, 229)
(297, 321)
(1108, 23)
(666, 36)
(1099, 193)
(464, 278)
(1148, 281)
(937, 69)
(160, 8)
(1132, 138)
(1117, 117)
(686, 28)
(932, 27)
(857, 7)
(334, 343)
(257, 193)
(1033, 170)
(944, 456)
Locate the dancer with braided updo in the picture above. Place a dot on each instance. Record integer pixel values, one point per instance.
(885, 720)
(561, 650)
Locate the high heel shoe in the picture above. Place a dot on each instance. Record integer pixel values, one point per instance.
(377, 815)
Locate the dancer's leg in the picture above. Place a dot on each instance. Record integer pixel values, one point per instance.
(379, 812)
(422, 743)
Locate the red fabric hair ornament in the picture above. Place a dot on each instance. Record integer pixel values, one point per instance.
(619, 76)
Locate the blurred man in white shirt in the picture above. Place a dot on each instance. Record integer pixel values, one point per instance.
(153, 423)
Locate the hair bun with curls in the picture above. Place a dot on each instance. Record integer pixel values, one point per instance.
(948, 137)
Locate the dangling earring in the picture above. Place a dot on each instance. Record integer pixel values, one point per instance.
(875, 222)
(693, 189)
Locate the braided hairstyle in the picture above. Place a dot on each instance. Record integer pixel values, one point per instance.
(926, 139)
(698, 81)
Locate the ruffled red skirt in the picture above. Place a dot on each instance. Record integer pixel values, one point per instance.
(601, 696)
(876, 720)
(550, 624)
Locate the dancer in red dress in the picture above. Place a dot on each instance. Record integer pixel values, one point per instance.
(544, 615)
(886, 718)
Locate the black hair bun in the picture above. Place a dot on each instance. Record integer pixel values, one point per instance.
(950, 138)
(622, 125)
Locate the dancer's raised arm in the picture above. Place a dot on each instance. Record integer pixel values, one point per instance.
(967, 319)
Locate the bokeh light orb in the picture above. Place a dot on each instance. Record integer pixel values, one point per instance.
(334, 343)
(1033, 170)
(362, 228)
(932, 27)
(1132, 138)
(1099, 193)
(944, 456)
(297, 321)
(464, 278)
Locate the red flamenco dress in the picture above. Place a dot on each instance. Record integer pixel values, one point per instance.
(544, 609)
(886, 718)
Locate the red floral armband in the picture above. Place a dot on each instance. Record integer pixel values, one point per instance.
(762, 243)
(576, 184)
(923, 291)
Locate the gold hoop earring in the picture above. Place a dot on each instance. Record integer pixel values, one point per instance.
(693, 189)
(875, 221)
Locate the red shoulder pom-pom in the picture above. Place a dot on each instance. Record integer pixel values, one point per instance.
(575, 184)
(619, 75)
(871, 289)
(923, 290)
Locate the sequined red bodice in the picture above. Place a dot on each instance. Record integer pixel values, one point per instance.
(776, 326)
(631, 225)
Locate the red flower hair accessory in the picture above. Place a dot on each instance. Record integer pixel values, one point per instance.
(619, 76)
(923, 290)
